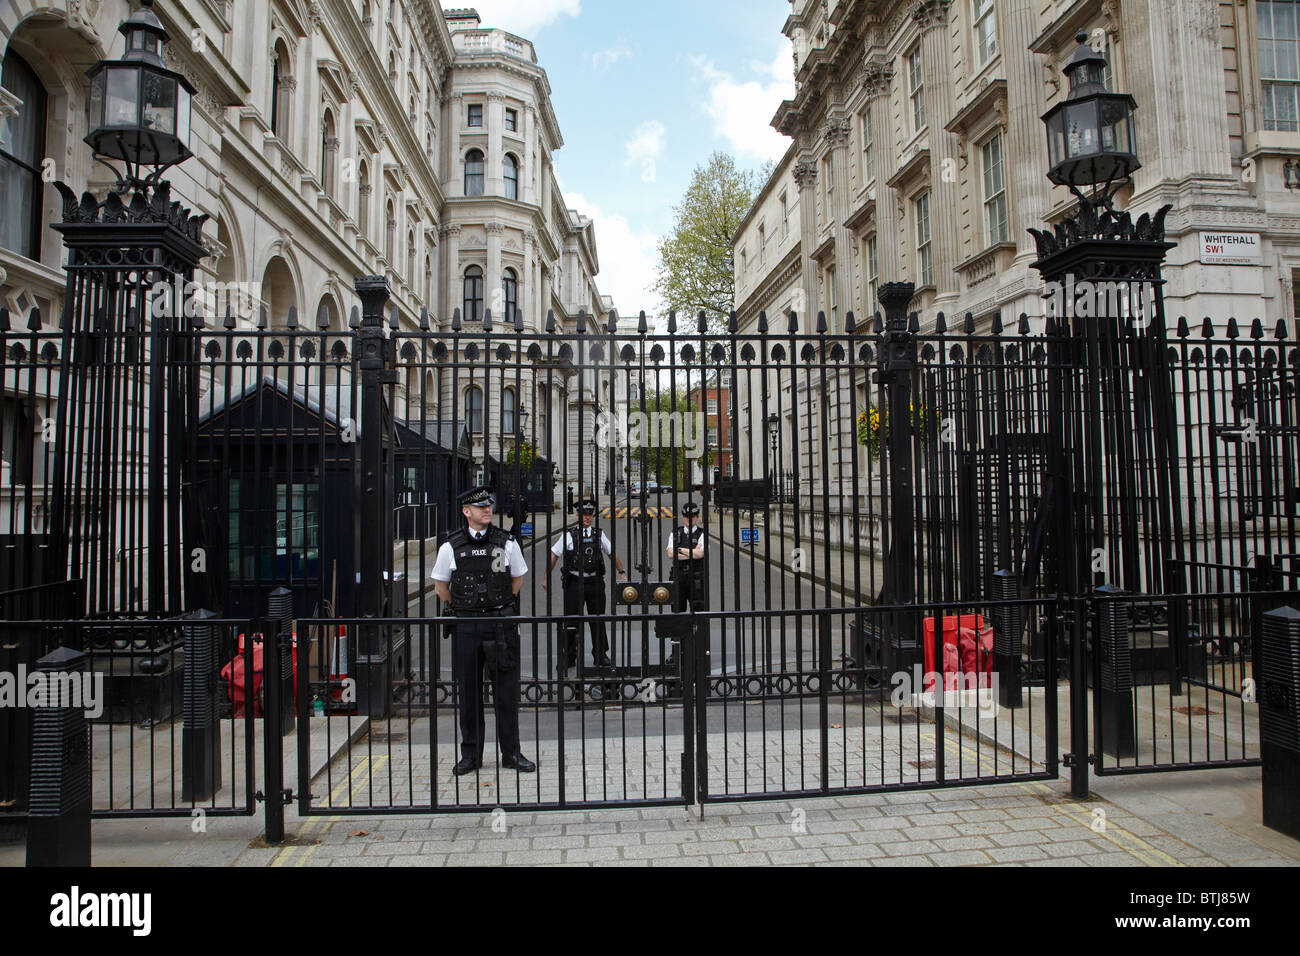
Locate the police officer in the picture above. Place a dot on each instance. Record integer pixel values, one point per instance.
(479, 571)
(686, 549)
(584, 584)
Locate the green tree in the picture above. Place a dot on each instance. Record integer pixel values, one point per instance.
(696, 261)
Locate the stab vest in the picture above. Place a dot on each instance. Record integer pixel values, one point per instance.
(693, 567)
(587, 557)
(474, 586)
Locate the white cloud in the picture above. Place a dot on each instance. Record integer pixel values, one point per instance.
(742, 110)
(602, 60)
(645, 146)
(523, 19)
(627, 258)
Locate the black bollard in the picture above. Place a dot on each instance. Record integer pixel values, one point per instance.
(58, 812)
(279, 606)
(1114, 696)
(201, 731)
(1279, 718)
(1008, 639)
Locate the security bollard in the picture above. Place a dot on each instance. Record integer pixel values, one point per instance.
(1279, 718)
(1114, 695)
(279, 606)
(1008, 639)
(58, 812)
(201, 731)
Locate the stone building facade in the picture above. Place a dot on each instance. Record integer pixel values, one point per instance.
(331, 138)
(918, 154)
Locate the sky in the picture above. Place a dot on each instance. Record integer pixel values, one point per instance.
(643, 93)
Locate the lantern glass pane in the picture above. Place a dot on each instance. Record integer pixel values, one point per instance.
(1056, 137)
(183, 115)
(1081, 126)
(97, 99)
(1114, 126)
(159, 103)
(122, 97)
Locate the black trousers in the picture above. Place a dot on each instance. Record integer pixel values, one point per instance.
(479, 643)
(580, 592)
(691, 590)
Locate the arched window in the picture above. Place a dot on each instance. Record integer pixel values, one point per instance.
(508, 413)
(281, 81)
(428, 280)
(510, 291)
(363, 199)
(22, 150)
(474, 409)
(390, 231)
(410, 256)
(329, 151)
(512, 177)
(473, 306)
(474, 173)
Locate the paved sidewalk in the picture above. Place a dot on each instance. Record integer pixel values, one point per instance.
(1202, 818)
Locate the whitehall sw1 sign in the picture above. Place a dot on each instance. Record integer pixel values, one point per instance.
(1231, 249)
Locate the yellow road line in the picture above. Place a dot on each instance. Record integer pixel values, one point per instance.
(288, 853)
(1139, 848)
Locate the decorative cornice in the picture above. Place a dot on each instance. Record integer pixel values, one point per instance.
(930, 13)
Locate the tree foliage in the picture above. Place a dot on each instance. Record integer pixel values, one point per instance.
(696, 263)
(671, 464)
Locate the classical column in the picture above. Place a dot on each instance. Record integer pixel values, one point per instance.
(450, 269)
(1024, 156)
(805, 177)
(530, 150)
(528, 292)
(876, 78)
(495, 185)
(945, 197)
(836, 134)
(493, 297)
(456, 167)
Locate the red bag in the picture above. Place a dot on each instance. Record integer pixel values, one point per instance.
(976, 654)
(233, 675)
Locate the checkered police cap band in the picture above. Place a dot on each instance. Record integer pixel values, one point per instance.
(480, 495)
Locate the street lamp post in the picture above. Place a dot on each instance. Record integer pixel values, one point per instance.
(1108, 381)
(130, 268)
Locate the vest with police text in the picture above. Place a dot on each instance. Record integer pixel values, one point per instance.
(684, 538)
(582, 553)
(474, 585)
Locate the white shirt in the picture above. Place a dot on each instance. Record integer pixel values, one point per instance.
(696, 553)
(446, 560)
(565, 543)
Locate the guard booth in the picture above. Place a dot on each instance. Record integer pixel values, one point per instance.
(277, 477)
(521, 495)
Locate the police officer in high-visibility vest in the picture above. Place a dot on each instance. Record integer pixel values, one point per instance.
(686, 549)
(479, 571)
(584, 550)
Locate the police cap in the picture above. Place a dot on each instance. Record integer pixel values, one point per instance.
(587, 506)
(690, 509)
(478, 495)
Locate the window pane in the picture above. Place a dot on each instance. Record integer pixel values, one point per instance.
(17, 191)
(1285, 55)
(23, 135)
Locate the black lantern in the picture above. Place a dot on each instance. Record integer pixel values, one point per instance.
(139, 109)
(1090, 138)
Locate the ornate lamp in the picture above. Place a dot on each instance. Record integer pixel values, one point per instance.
(1090, 136)
(139, 109)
